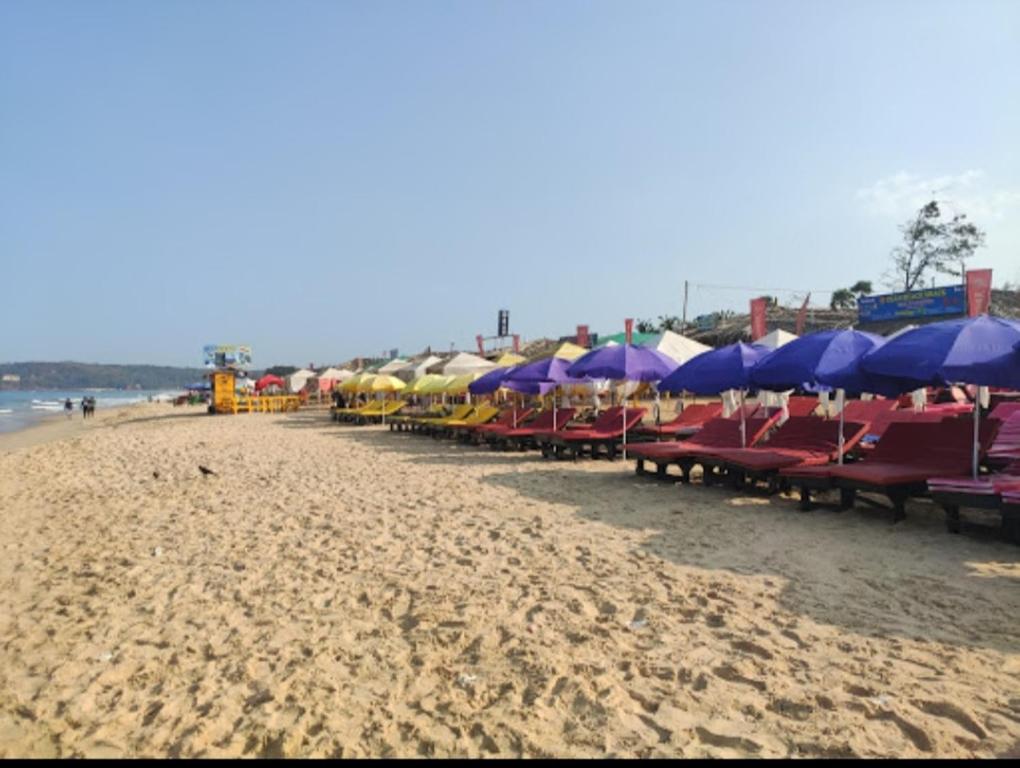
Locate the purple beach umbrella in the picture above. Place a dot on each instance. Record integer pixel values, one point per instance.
(623, 362)
(974, 350)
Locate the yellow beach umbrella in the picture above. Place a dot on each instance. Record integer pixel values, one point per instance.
(418, 386)
(458, 385)
(385, 383)
(351, 385)
(569, 351)
(365, 382)
(510, 358)
(435, 386)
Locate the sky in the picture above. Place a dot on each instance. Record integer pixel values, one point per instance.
(322, 179)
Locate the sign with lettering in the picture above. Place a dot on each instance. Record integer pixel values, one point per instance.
(227, 356)
(979, 291)
(927, 302)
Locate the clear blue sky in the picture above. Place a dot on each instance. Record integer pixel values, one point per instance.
(327, 179)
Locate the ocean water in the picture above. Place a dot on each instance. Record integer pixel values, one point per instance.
(20, 409)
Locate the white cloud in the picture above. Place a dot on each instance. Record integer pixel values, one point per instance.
(969, 192)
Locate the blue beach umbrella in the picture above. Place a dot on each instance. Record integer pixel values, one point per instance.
(975, 350)
(491, 381)
(623, 362)
(718, 370)
(541, 377)
(814, 361)
(802, 362)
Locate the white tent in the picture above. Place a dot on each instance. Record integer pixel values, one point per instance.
(298, 379)
(465, 362)
(673, 345)
(776, 339)
(392, 366)
(680, 348)
(336, 374)
(415, 370)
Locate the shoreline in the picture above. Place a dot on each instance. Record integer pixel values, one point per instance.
(56, 426)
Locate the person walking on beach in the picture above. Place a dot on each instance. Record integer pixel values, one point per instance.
(84, 408)
(68, 408)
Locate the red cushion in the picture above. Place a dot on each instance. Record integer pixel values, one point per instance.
(760, 459)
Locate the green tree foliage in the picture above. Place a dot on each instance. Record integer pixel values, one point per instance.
(932, 244)
(281, 370)
(69, 375)
(846, 298)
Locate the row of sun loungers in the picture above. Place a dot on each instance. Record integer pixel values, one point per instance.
(900, 454)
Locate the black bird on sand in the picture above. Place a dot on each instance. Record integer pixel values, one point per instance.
(205, 470)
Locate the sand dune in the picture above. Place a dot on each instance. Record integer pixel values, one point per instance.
(348, 591)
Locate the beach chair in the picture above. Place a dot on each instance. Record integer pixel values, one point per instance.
(867, 411)
(482, 414)
(720, 433)
(1005, 448)
(802, 441)
(524, 437)
(884, 419)
(900, 465)
(424, 424)
(402, 422)
(605, 433)
(987, 492)
(686, 423)
(388, 409)
(802, 405)
(350, 414)
(508, 418)
(1010, 508)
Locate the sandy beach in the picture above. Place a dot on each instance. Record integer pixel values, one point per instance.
(347, 591)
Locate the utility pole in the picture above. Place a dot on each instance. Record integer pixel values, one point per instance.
(683, 322)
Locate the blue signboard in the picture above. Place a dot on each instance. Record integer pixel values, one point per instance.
(927, 302)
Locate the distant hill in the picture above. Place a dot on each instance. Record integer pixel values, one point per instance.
(68, 375)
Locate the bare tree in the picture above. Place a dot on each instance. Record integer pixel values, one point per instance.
(931, 244)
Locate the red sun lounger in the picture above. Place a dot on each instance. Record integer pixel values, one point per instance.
(803, 441)
(899, 467)
(867, 411)
(1011, 515)
(687, 422)
(988, 492)
(606, 432)
(717, 434)
(507, 419)
(523, 437)
(1006, 446)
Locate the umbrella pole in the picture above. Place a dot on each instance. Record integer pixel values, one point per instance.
(841, 404)
(625, 422)
(977, 429)
(743, 425)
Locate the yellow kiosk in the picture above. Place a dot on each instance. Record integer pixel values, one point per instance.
(223, 395)
(226, 360)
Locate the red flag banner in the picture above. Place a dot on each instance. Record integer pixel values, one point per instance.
(628, 328)
(979, 291)
(758, 317)
(802, 316)
(582, 336)
(481, 345)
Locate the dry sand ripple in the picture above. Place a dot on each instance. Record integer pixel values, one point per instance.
(345, 591)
